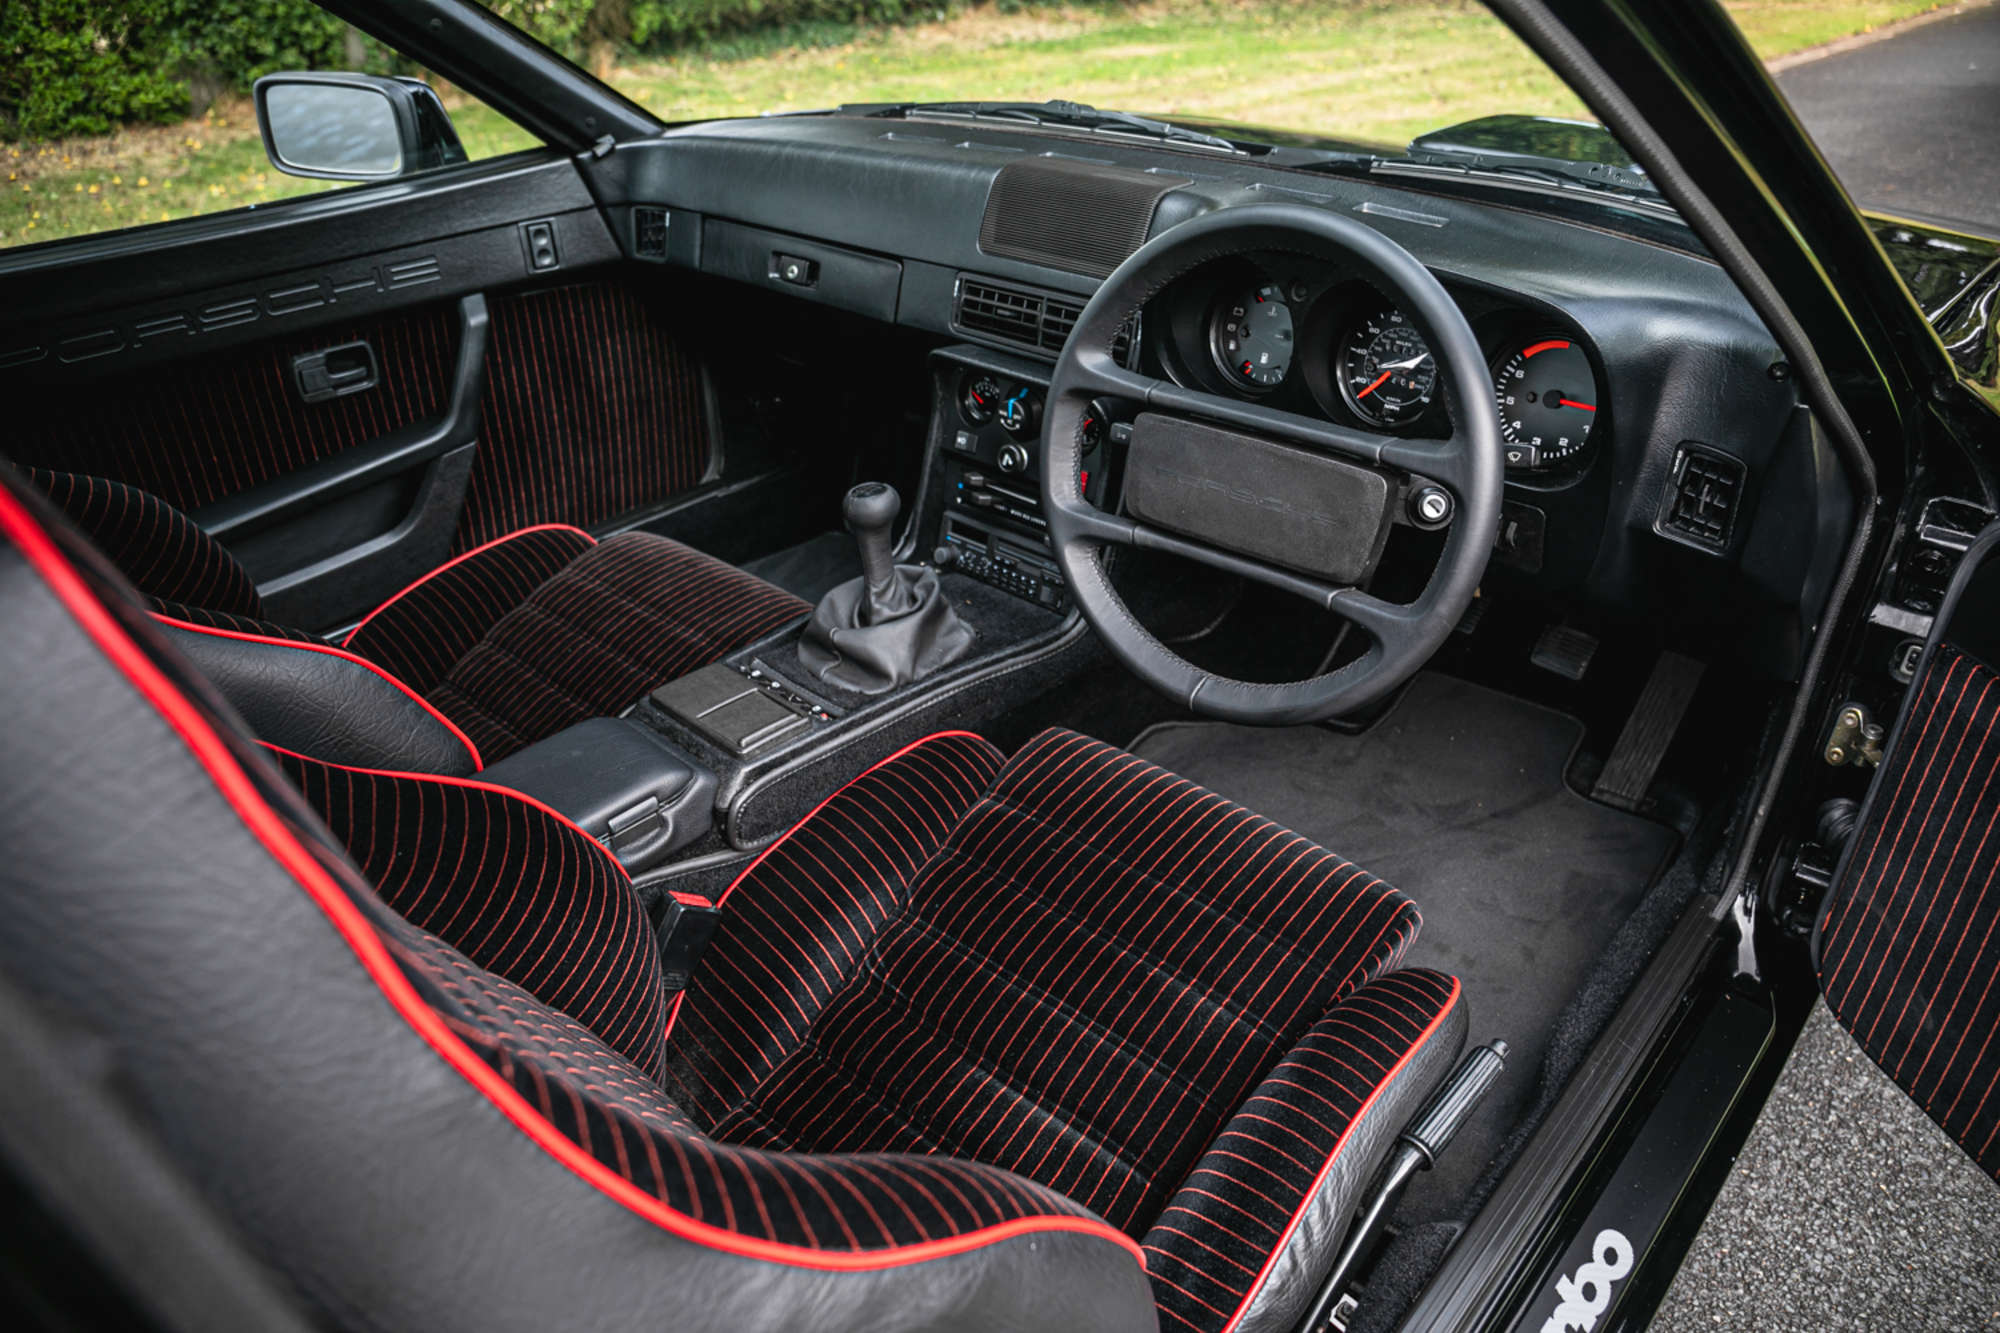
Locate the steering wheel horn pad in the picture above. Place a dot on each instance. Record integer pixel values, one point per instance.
(1212, 463)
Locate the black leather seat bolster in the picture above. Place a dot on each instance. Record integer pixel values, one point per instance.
(326, 704)
(231, 990)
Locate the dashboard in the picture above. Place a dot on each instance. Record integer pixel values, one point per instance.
(1660, 465)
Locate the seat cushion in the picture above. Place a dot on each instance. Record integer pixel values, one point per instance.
(422, 632)
(1086, 970)
(628, 614)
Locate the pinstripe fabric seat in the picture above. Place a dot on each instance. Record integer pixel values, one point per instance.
(510, 642)
(1908, 956)
(1081, 968)
(1121, 995)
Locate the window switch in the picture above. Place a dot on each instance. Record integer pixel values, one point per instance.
(538, 241)
(795, 270)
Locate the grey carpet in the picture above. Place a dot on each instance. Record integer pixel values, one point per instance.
(1457, 798)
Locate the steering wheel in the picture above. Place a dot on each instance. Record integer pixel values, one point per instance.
(1296, 502)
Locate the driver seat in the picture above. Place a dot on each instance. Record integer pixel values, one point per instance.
(1051, 1041)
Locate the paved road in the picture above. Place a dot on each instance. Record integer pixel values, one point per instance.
(1909, 121)
(1847, 1210)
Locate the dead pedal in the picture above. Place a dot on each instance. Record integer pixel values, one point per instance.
(1565, 650)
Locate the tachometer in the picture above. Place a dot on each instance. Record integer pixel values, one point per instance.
(1547, 396)
(1387, 373)
(1252, 337)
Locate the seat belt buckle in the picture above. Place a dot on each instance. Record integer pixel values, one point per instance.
(688, 924)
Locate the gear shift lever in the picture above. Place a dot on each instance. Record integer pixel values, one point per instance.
(891, 626)
(870, 510)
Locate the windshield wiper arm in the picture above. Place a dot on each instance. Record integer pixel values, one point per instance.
(1554, 176)
(1075, 115)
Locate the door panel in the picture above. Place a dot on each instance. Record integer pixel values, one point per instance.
(1908, 942)
(478, 405)
(214, 426)
(594, 408)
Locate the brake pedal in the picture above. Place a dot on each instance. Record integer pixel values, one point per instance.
(1417, 1149)
(1565, 650)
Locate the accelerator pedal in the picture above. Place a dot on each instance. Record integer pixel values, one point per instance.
(1628, 773)
(1417, 1149)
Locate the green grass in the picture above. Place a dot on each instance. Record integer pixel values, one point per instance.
(1377, 70)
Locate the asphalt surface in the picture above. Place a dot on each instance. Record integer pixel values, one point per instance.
(1908, 121)
(1847, 1209)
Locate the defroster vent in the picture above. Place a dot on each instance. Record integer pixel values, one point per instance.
(1082, 217)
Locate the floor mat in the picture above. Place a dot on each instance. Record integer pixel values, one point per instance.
(1457, 798)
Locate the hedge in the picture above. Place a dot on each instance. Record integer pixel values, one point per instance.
(79, 67)
(72, 67)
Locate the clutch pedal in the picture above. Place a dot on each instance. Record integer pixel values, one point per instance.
(1417, 1149)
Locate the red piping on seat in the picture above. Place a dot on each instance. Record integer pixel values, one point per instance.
(674, 1010)
(343, 655)
(235, 786)
(1326, 1168)
(461, 559)
(787, 835)
(493, 787)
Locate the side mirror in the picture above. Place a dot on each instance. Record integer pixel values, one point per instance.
(353, 127)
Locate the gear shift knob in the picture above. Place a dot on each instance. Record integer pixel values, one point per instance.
(870, 510)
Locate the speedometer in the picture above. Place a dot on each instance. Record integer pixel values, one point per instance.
(1386, 369)
(1547, 395)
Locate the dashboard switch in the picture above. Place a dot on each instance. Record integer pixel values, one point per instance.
(1013, 458)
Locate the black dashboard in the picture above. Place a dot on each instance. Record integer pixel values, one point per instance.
(1660, 464)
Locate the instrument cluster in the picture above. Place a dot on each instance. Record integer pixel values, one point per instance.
(1320, 343)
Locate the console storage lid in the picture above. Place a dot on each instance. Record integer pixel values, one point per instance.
(623, 784)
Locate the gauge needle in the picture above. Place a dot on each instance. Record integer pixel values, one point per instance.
(1571, 402)
(1411, 364)
(1373, 385)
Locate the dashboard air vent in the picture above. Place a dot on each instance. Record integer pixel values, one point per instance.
(1703, 498)
(1040, 320)
(649, 233)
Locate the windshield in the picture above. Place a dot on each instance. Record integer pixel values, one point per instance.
(1401, 80)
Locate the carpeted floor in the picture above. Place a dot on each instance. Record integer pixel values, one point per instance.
(1457, 798)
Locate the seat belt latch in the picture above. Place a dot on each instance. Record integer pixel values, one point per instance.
(687, 926)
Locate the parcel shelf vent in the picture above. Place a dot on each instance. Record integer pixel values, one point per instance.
(1705, 497)
(1082, 217)
(1031, 319)
(649, 233)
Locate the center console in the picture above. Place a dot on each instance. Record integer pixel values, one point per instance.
(781, 731)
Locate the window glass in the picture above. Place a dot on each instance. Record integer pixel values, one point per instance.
(1418, 79)
(115, 115)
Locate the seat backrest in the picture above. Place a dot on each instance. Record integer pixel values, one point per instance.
(292, 688)
(411, 1139)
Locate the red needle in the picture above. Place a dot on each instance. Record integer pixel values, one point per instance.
(1372, 387)
(1571, 402)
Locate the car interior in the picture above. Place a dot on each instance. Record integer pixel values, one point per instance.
(920, 755)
